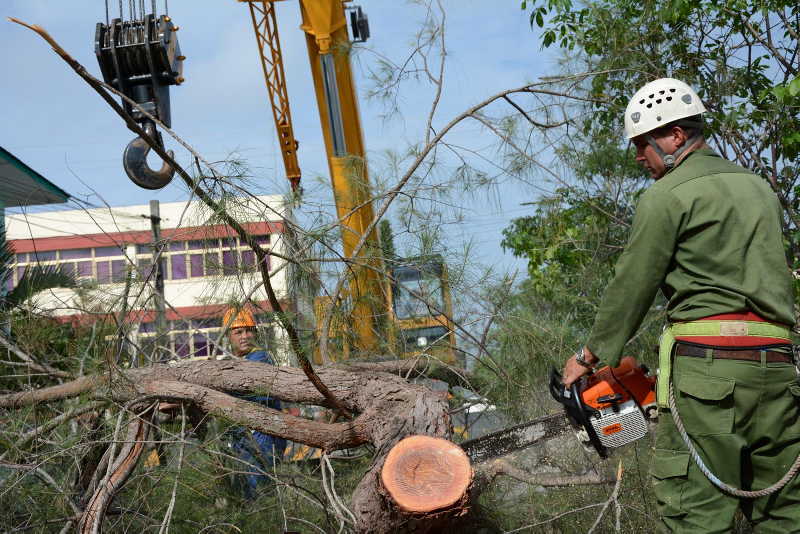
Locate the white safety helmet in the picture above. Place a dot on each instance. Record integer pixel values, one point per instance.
(659, 103)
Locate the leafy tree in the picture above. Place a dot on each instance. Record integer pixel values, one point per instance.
(33, 280)
(742, 57)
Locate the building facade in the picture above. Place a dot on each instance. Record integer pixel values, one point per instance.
(205, 267)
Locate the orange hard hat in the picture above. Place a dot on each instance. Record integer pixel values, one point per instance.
(238, 318)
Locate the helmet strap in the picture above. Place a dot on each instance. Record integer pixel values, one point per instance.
(669, 159)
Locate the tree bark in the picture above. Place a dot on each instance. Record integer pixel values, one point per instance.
(388, 407)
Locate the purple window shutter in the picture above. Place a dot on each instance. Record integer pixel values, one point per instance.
(118, 271)
(48, 255)
(182, 345)
(68, 268)
(145, 266)
(99, 252)
(248, 260)
(79, 253)
(85, 268)
(212, 264)
(200, 345)
(228, 262)
(103, 272)
(178, 263)
(196, 264)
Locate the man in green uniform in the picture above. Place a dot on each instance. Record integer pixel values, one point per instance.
(708, 234)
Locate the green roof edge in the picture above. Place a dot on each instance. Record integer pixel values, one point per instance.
(19, 164)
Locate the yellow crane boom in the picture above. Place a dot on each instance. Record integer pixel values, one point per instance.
(371, 297)
(265, 26)
(328, 44)
(325, 25)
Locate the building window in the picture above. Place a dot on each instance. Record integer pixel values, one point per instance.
(186, 338)
(181, 260)
(200, 258)
(196, 337)
(104, 264)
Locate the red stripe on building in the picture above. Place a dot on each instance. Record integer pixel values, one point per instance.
(43, 244)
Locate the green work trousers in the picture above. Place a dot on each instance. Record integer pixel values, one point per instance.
(744, 420)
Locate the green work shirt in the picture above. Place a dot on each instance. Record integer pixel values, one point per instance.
(708, 234)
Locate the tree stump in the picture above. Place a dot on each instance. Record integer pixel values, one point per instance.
(425, 475)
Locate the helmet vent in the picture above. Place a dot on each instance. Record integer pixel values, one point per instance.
(636, 116)
(658, 118)
(650, 105)
(641, 101)
(671, 89)
(687, 99)
(669, 99)
(658, 101)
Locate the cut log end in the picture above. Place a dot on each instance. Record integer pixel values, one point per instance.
(423, 474)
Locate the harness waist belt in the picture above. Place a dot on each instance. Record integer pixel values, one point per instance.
(706, 328)
(772, 356)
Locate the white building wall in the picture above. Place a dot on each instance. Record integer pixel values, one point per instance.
(52, 237)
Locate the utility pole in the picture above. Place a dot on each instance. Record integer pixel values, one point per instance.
(158, 296)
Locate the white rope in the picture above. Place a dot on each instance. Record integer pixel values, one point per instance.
(713, 478)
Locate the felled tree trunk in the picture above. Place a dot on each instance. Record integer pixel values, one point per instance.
(387, 409)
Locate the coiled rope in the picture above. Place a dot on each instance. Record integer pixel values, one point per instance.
(707, 472)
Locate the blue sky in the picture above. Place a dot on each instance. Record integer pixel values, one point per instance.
(55, 123)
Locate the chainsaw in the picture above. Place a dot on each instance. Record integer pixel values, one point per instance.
(606, 409)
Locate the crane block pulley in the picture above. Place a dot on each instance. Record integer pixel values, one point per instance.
(141, 58)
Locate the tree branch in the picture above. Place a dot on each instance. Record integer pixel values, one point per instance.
(261, 255)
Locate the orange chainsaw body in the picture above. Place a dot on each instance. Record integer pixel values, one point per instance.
(620, 383)
(611, 407)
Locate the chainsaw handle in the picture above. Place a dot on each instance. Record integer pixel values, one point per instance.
(557, 389)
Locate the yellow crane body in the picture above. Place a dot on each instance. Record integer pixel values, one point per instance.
(328, 43)
(369, 292)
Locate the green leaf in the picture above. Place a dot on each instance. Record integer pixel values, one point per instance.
(34, 280)
(794, 86)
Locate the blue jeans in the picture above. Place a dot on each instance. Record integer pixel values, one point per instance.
(258, 452)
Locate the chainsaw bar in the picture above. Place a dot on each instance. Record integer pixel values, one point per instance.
(516, 437)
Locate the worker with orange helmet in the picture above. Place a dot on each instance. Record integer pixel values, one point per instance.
(252, 447)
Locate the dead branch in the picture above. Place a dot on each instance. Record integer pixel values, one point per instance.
(92, 518)
(53, 423)
(31, 363)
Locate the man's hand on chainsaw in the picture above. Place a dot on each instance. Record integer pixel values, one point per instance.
(573, 370)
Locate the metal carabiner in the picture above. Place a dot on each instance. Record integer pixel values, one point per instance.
(134, 160)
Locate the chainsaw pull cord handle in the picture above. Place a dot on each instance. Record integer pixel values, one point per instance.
(707, 472)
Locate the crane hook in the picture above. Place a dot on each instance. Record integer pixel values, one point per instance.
(134, 159)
